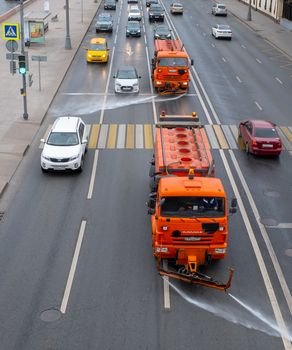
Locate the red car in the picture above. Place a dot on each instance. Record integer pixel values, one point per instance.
(260, 137)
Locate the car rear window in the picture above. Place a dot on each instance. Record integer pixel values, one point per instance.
(266, 133)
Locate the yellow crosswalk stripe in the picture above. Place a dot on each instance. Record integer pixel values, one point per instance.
(148, 136)
(220, 136)
(287, 133)
(130, 136)
(112, 135)
(94, 136)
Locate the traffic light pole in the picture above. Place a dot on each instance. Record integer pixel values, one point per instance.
(25, 114)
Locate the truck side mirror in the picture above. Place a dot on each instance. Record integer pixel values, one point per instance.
(233, 206)
(152, 61)
(192, 62)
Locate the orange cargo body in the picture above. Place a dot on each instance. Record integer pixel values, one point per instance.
(170, 67)
(179, 149)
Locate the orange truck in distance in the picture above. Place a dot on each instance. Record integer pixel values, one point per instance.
(188, 204)
(170, 67)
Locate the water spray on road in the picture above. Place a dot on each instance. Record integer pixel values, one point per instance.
(258, 322)
(79, 104)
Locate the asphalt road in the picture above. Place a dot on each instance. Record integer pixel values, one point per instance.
(116, 299)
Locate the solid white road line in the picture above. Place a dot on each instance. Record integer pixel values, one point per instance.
(73, 268)
(258, 105)
(254, 243)
(166, 288)
(93, 173)
(151, 87)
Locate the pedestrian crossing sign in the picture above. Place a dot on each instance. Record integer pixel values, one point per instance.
(10, 31)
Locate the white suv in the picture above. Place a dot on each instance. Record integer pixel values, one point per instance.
(65, 145)
(219, 9)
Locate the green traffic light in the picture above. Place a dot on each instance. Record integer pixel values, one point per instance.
(22, 70)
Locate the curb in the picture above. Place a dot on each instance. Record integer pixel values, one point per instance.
(4, 183)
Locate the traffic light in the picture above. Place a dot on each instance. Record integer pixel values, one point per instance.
(21, 64)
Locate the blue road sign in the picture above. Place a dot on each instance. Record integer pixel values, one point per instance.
(10, 31)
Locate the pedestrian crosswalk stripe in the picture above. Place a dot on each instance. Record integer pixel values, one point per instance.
(285, 142)
(220, 136)
(287, 133)
(111, 142)
(93, 136)
(142, 136)
(148, 136)
(121, 136)
(229, 137)
(139, 136)
(211, 136)
(102, 136)
(130, 136)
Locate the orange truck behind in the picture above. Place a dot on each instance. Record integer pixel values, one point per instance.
(188, 205)
(170, 67)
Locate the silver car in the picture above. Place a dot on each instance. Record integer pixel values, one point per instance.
(219, 10)
(176, 7)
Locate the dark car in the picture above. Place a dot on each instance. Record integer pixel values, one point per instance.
(156, 13)
(104, 23)
(162, 32)
(133, 28)
(109, 4)
(150, 2)
(260, 137)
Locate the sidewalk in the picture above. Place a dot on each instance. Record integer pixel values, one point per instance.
(265, 26)
(17, 134)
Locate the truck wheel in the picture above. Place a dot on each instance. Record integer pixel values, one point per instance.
(153, 184)
(152, 171)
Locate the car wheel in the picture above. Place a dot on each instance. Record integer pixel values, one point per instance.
(80, 169)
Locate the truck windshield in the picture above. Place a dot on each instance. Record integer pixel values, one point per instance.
(189, 207)
(173, 62)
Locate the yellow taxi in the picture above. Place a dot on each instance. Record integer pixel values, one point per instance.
(97, 51)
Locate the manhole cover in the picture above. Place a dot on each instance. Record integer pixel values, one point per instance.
(269, 222)
(288, 252)
(273, 194)
(50, 315)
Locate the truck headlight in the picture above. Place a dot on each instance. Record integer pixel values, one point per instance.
(159, 83)
(161, 250)
(220, 250)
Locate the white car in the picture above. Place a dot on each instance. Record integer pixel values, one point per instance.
(134, 14)
(65, 145)
(219, 9)
(176, 7)
(127, 80)
(222, 31)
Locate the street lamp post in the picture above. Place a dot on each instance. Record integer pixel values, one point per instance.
(248, 18)
(25, 114)
(68, 39)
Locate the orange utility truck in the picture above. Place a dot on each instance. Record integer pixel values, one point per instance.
(188, 204)
(170, 67)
